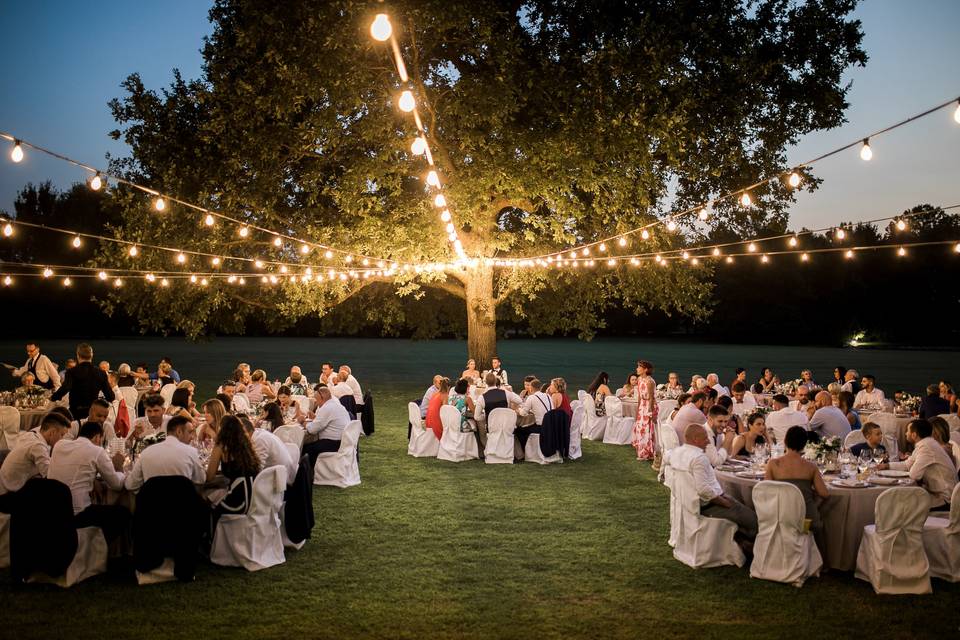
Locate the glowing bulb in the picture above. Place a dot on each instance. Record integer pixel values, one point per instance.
(645, 234)
(283, 268)
(244, 232)
(96, 182)
(586, 251)
(118, 283)
(380, 28)
(181, 258)
(622, 242)
(277, 242)
(685, 255)
(745, 199)
(433, 179)
(848, 254)
(729, 259)
(793, 241)
(611, 262)
(716, 251)
(77, 242)
(804, 257)
(671, 225)
(159, 204)
(752, 247)
(193, 279)
(164, 283)
(695, 261)
(17, 154)
(703, 214)
(406, 102)
(232, 279)
(865, 151)
(794, 180)
(150, 277)
(8, 230)
(67, 282)
(658, 259)
(445, 215)
(215, 261)
(450, 228)
(956, 248)
(419, 146)
(901, 225)
(242, 280)
(209, 220)
(901, 252)
(133, 251)
(366, 262)
(956, 114)
(7, 281)
(841, 234)
(48, 272)
(764, 259)
(328, 254)
(102, 275)
(602, 247)
(440, 201)
(304, 249)
(203, 282)
(258, 264)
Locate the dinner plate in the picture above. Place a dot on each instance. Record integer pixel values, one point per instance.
(849, 484)
(886, 482)
(893, 473)
(749, 474)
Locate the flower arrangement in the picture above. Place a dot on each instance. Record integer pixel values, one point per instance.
(30, 397)
(788, 388)
(829, 445)
(143, 443)
(664, 392)
(908, 403)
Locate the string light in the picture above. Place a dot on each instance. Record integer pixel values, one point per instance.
(764, 259)
(328, 254)
(77, 242)
(419, 146)
(193, 279)
(7, 281)
(48, 272)
(133, 251)
(752, 247)
(848, 254)
(901, 225)
(17, 153)
(602, 247)
(203, 282)
(181, 258)
(96, 182)
(244, 232)
(258, 264)
(67, 282)
(164, 283)
(304, 249)
(671, 225)
(622, 241)
(159, 204)
(7, 229)
(716, 251)
(216, 261)
(611, 262)
(209, 220)
(695, 261)
(433, 179)
(150, 277)
(440, 202)
(729, 259)
(406, 101)
(794, 180)
(703, 214)
(745, 199)
(277, 242)
(645, 234)
(956, 248)
(794, 241)
(804, 257)
(901, 252)
(445, 215)
(841, 234)
(102, 275)
(866, 153)
(380, 28)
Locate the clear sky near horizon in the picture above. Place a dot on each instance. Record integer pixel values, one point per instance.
(63, 61)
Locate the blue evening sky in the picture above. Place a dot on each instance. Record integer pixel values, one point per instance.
(62, 62)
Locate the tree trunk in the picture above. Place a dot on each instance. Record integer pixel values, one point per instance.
(481, 316)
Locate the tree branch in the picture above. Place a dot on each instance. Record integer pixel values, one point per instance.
(450, 288)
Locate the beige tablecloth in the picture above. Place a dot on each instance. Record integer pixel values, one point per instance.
(30, 418)
(629, 409)
(844, 514)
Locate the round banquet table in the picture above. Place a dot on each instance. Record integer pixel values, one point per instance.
(844, 514)
(30, 418)
(629, 408)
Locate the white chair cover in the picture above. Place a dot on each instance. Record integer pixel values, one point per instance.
(891, 555)
(500, 425)
(240, 403)
(675, 515)
(593, 426)
(163, 573)
(576, 420)
(668, 437)
(576, 425)
(891, 431)
(782, 551)
(619, 428)
(90, 560)
(303, 401)
(166, 392)
(423, 442)
(4, 540)
(664, 407)
(581, 394)
(455, 445)
(854, 437)
(294, 452)
(941, 541)
(532, 453)
(131, 397)
(252, 540)
(953, 420)
(340, 468)
(699, 542)
(9, 427)
(292, 434)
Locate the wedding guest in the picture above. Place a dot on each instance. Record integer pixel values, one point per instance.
(947, 393)
(346, 376)
(740, 375)
(845, 404)
(496, 368)
(834, 390)
(713, 381)
(125, 377)
(743, 400)
(104, 366)
(270, 417)
(240, 381)
(536, 404)
(792, 467)
(721, 436)
(801, 398)
(735, 423)
(271, 451)
(244, 369)
(340, 388)
(296, 382)
(644, 438)
(828, 420)
(806, 377)
(170, 371)
(929, 465)
(690, 413)
(872, 439)
(839, 375)
(234, 456)
(98, 412)
(428, 394)
(290, 411)
(84, 383)
(527, 390)
(495, 398)
(869, 397)
(744, 443)
(766, 382)
(30, 457)
(259, 389)
(44, 371)
(470, 374)
(933, 405)
(439, 399)
(27, 382)
(682, 399)
(783, 417)
(941, 433)
(558, 396)
(76, 463)
(175, 455)
(629, 389)
(162, 377)
(598, 390)
(154, 421)
(69, 364)
(181, 404)
(327, 425)
(692, 457)
(851, 382)
(697, 383)
(228, 388)
(457, 397)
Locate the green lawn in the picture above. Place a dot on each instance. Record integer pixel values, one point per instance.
(431, 549)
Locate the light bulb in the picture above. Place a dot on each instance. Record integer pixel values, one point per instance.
(865, 151)
(752, 247)
(380, 28)
(794, 180)
(440, 201)
(586, 251)
(244, 232)
(645, 234)
(445, 215)
(956, 114)
(159, 204)
(450, 228)
(366, 262)
(258, 264)
(209, 220)
(164, 283)
(304, 249)
(67, 282)
(47, 272)
(793, 241)
(406, 101)
(8, 230)
(848, 254)
(77, 242)
(804, 257)
(901, 252)
(745, 199)
(232, 279)
(419, 146)
(96, 182)
(181, 258)
(658, 259)
(901, 225)
(283, 268)
(671, 225)
(17, 154)
(277, 242)
(603, 246)
(102, 275)
(695, 261)
(764, 259)
(215, 261)
(193, 279)
(150, 277)
(433, 179)
(956, 248)
(703, 214)
(611, 262)
(328, 254)
(7, 281)
(685, 255)
(242, 280)
(133, 251)
(622, 242)
(716, 251)
(841, 234)
(729, 259)
(203, 282)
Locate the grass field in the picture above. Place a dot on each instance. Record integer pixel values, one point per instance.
(431, 549)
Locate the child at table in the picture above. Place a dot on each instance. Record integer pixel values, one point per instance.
(873, 439)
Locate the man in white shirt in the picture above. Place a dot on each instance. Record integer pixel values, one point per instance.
(271, 450)
(327, 425)
(347, 375)
(339, 387)
(713, 381)
(717, 427)
(30, 457)
(692, 457)
(783, 417)
(154, 420)
(174, 456)
(690, 413)
(327, 374)
(76, 464)
(496, 368)
(869, 397)
(801, 400)
(929, 465)
(536, 404)
(429, 393)
(44, 372)
(828, 420)
(99, 412)
(495, 398)
(743, 400)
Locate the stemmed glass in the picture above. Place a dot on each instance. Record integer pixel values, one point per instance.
(864, 462)
(878, 455)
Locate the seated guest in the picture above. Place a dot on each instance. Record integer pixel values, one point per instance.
(495, 397)
(213, 414)
(470, 374)
(270, 417)
(76, 463)
(736, 424)
(69, 364)
(691, 457)
(173, 456)
(743, 400)
(228, 388)
(457, 397)
(27, 382)
(496, 368)
(154, 420)
(783, 417)
(558, 396)
(181, 404)
(43, 370)
(598, 390)
(240, 381)
(432, 389)
(433, 409)
(259, 389)
(326, 427)
(721, 436)
(162, 376)
(346, 376)
(168, 367)
(828, 420)
(536, 404)
(851, 382)
(792, 467)
(929, 465)
(234, 456)
(296, 382)
(839, 375)
(340, 388)
(806, 377)
(766, 382)
(690, 413)
(740, 375)
(104, 366)
(99, 412)
(629, 389)
(941, 433)
(30, 457)
(834, 390)
(271, 450)
(801, 399)
(526, 386)
(682, 399)
(327, 374)
(289, 410)
(697, 383)
(744, 443)
(933, 405)
(873, 439)
(713, 381)
(674, 387)
(845, 404)
(125, 376)
(869, 397)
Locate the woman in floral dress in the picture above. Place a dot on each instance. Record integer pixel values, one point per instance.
(644, 439)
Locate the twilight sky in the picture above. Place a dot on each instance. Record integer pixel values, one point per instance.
(64, 61)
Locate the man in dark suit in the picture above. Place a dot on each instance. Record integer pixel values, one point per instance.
(84, 383)
(933, 405)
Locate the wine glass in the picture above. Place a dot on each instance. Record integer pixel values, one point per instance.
(878, 455)
(863, 462)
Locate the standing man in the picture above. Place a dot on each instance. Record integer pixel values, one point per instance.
(84, 383)
(44, 372)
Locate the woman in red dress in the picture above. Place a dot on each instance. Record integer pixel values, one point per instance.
(644, 429)
(433, 408)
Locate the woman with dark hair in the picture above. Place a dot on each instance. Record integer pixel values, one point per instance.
(744, 443)
(839, 373)
(234, 455)
(181, 404)
(845, 404)
(644, 439)
(629, 389)
(458, 398)
(598, 390)
(766, 382)
(792, 467)
(271, 417)
(290, 411)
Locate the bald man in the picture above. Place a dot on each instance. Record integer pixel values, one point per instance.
(828, 420)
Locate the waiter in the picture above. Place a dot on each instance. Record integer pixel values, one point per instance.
(85, 382)
(44, 372)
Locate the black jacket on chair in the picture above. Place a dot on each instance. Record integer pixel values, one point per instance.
(555, 433)
(298, 499)
(170, 520)
(350, 405)
(366, 413)
(43, 536)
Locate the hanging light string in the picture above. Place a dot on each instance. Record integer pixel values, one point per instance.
(162, 199)
(382, 30)
(791, 176)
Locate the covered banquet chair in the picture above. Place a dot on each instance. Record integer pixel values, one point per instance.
(941, 541)
(455, 445)
(340, 468)
(619, 428)
(500, 425)
(252, 540)
(594, 426)
(891, 556)
(423, 442)
(783, 551)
